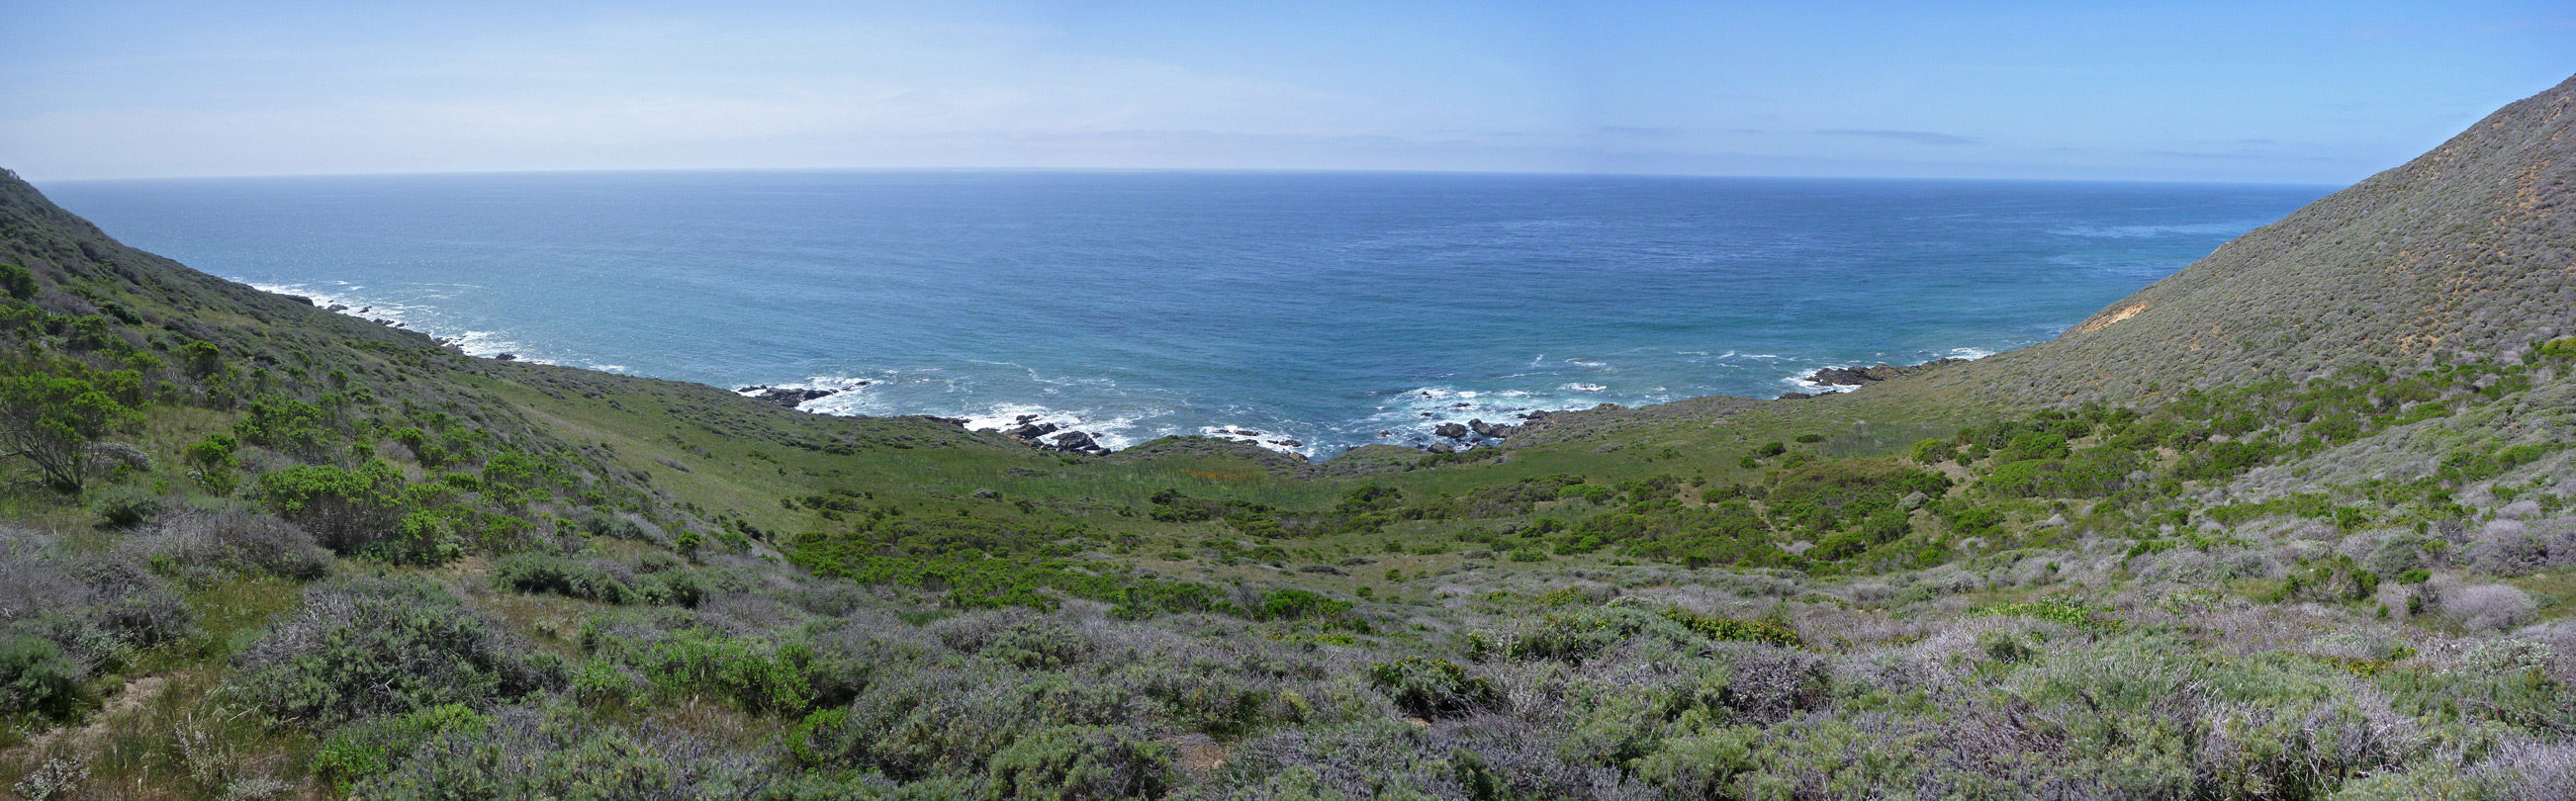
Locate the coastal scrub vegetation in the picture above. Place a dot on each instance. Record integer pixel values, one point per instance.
(257, 549)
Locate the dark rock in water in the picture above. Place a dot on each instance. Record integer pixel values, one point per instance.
(338, 307)
(1856, 376)
(1441, 447)
(1024, 419)
(1795, 396)
(1075, 441)
(1288, 443)
(1426, 414)
(1450, 430)
(1481, 428)
(1386, 433)
(784, 396)
(1033, 431)
(506, 357)
(1462, 405)
(1841, 377)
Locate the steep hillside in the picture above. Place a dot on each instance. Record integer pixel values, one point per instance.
(2467, 252)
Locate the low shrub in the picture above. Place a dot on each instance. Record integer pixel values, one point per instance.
(364, 647)
(525, 753)
(233, 541)
(371, 748)
(2488, 607)
(130, 603)
(556, 575)
(128, 506)
(1079, 763)
(1769, 632)
(757, 675)
(37, 679)
(1434, 688)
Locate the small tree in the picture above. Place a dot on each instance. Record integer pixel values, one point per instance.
(52, 419)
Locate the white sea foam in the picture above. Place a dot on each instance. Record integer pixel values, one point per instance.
(1812, 388)
(1111, 431)
(1586, 387)
(1971, 353)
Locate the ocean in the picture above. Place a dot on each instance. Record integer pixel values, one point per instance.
(1311, 311)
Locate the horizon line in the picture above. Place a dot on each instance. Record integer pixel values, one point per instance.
(1171, 170)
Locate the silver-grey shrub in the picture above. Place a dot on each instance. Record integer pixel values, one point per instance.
(362, 647)
(232, 540)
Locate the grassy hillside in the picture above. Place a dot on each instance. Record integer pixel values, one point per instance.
(256, 549)
(2465, 253)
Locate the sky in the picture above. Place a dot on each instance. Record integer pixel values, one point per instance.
(2314, 92)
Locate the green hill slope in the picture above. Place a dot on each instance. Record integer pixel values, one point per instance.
(2467, 252)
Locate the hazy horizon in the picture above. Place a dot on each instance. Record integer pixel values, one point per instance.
(2281, 93)
(1184, 170)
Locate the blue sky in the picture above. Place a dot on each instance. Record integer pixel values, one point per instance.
(2234, 91)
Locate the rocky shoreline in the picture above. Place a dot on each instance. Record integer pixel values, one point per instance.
(793, 397)
(1444, 438)
(1049, 436)
(1857, 376)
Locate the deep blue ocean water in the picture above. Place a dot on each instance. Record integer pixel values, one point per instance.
(1321, 308)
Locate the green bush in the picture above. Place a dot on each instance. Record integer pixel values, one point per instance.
(36, 679)
(1079, 763)
(371, 748)
(21, 283)
(289, 426)
(1302, 605)
(545, 574)
(215, 458)
(753, 674)
(347, 510)
(2560, 348)
(127, 506)
(1768, 632)
(1434, 688)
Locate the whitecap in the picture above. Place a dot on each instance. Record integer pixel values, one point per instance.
(1812, 388)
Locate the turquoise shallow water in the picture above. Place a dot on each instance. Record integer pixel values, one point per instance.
(1319, 308)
